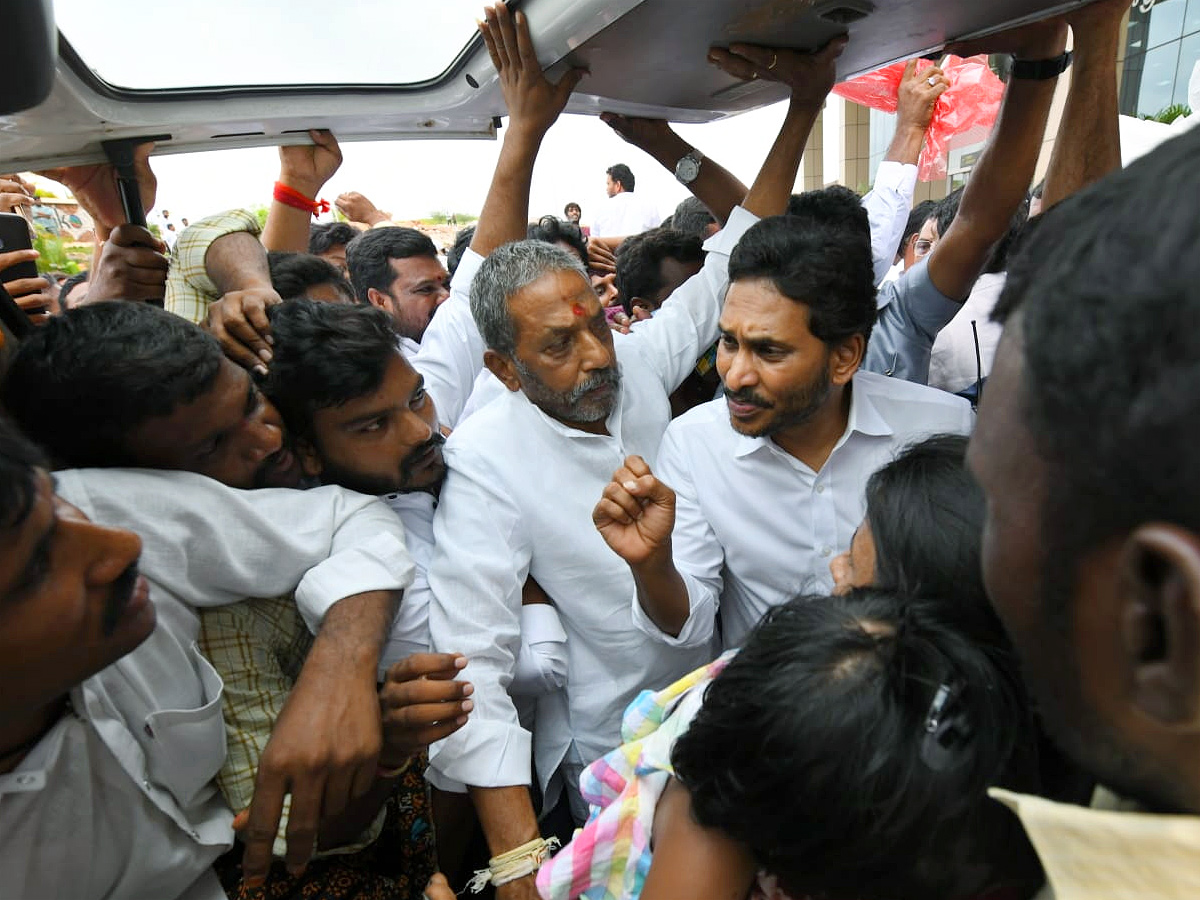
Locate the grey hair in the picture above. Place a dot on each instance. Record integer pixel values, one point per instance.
(506, 270)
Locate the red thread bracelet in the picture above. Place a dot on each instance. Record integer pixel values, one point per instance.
(289, 196)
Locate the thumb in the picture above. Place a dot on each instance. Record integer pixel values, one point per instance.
(568, 83)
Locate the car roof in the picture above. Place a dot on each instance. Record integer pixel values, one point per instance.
(232, 73)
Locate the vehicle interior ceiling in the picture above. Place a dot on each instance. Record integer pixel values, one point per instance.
(620, 42)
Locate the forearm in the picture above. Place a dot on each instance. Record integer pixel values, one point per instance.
(286, 228)
(715, 186)
(661, 593)
(353, 632)
(237, 262)
(508, 821)
(1089, 142)
(769, 194)
(998, 183)
(906, 144)
(505, 213)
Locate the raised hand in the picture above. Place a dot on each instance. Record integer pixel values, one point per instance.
(357, 208)
(636, 514)
(95, 187)
(532, 101)
(14, 192)
(307, 167)
(918, 95)
(810, 75)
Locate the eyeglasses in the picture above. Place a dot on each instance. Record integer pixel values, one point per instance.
(922, 247)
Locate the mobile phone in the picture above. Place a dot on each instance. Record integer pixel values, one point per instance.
(14, 235)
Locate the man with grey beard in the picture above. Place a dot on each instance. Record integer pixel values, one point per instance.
(526, 468)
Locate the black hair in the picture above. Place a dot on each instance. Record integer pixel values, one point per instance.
(324, 237)
(916, 220)
(823, 261)
(80, 383)
(849, 746)
(552, 229)
(639, 261)
(69, 284)
(19, 460)
(325, 354)
(1112, 357)
(836, 205)
(947, 211)
(368, 255)
(926, 511)
(692, 217)
(292, 274)
(462, 241)
(570, 206)
(622, 175)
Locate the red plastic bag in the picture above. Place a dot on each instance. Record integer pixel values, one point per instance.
(971, 101)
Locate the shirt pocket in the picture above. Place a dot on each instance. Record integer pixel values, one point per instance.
(187, 746)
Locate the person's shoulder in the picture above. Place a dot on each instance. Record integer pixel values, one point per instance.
(884, 390)
(496, 429)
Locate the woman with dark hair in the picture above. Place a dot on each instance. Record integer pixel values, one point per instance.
(921, 533)
(846, 750)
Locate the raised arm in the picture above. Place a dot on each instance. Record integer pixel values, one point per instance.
(714, 186)
(303, 169)
(1089, 141)
(534, 104)
(1006, 166)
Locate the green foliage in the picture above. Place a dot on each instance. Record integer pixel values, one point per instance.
(260, 212)
(1170, 114)
(443, 217)
(54, 254)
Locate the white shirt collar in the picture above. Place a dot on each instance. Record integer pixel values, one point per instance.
(864, 418)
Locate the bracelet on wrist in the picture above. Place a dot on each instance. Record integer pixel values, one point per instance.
(289, 196)
(1040, 69)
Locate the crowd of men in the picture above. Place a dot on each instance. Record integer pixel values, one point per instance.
(326, 565)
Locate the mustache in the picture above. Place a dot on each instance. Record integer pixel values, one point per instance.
(602, 378)
(435, 440)
(748, 396)
(118, 598)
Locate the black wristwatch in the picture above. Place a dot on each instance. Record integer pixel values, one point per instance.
(1040, 69)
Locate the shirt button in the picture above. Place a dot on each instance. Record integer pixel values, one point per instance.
(820, 488)
(146, 784)
(826, 550)
(25, 779)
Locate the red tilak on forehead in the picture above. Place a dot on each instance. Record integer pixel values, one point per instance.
(577, 309)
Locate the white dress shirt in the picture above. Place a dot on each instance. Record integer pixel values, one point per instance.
(450, 354)
(625, 214)
(518, 501)
(754, 526)
(118, 799)
(888, 204)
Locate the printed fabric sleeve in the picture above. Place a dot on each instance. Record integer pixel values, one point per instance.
(189, 289)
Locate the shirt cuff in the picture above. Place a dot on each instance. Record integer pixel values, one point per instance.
(897, 176)
(484, 754)
(726, 239)
(701, 622)
(380, 563)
